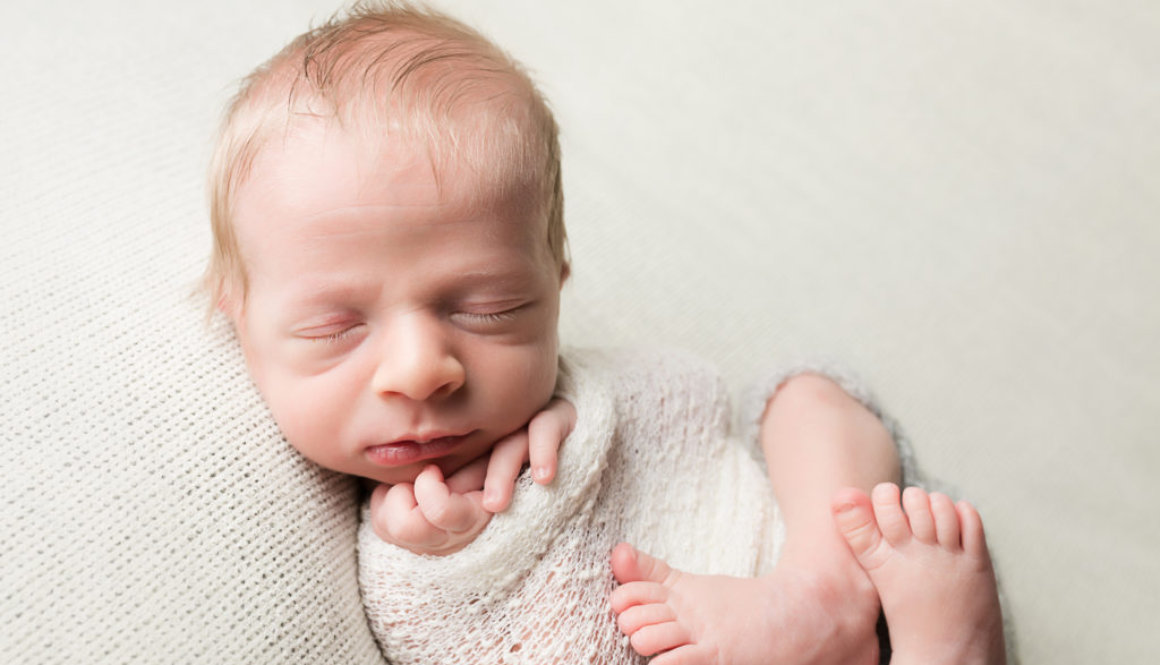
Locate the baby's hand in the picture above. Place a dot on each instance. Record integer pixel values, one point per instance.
(539, 441)
(432, 515)
(440, 517)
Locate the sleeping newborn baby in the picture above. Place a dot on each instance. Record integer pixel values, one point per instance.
(389, 244)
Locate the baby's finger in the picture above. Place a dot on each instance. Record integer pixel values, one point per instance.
(377, 497)
(507, 458)
(546, 432)
(399, 521)
(451, 512)
(469, 478)
(378, 513)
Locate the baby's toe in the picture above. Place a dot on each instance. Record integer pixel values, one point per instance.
(888, 513)
(917, 505)
(973, 539)
(854, 518)
(688, 654)
(638, 616)
(637, 593)
(658, 637)
(632, 565)
(946, 521)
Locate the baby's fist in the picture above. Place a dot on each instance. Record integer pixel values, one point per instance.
(432, 516)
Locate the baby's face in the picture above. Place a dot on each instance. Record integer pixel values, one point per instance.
(390, 324)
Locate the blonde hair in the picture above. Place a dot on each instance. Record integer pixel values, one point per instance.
(391, 68)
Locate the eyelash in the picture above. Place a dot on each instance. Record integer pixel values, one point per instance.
(490, 317)
(480, 317)
(331, 338)
(334, 337)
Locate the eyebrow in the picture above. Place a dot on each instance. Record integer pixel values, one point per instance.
(321, 292)
(506, 275)
(324, 291)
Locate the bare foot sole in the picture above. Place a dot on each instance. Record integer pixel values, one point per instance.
(932, 571)
(794, 614)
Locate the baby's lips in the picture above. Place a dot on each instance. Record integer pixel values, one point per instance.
(403, 452)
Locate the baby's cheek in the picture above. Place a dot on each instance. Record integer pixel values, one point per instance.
(310, 422)
(532, 388)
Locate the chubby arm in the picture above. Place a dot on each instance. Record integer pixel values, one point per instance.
(440, 516)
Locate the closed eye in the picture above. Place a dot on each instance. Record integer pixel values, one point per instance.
(490, 321)
(335, 336)
(331, 335)
(488, 317)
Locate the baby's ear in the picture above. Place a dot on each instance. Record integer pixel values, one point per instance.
(226, 306)
(229, 300)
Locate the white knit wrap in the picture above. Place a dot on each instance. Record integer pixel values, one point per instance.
(651, 462)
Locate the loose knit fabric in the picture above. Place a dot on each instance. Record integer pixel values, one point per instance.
(651, 462)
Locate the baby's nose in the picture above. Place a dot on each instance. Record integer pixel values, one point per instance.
(417, 361)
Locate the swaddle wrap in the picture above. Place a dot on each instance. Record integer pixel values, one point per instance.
(650, 462)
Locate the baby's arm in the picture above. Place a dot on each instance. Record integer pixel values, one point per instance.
(441, 516)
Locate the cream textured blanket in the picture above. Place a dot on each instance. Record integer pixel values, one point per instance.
(651, 462)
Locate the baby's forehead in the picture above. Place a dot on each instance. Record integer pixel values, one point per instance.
(463, 125)
(320, 164)
(321, 191)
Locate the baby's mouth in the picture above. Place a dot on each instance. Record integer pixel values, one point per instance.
(410, 451)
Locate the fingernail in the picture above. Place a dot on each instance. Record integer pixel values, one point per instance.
(490, 497)
(540, 473)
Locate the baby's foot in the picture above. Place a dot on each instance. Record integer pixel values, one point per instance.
(932, 570)
(796, 614)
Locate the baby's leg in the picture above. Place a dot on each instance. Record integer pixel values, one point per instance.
(932, 570)
(817, 605)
